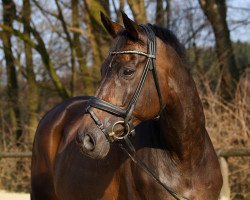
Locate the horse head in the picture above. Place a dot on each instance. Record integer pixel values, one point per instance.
(133, 76)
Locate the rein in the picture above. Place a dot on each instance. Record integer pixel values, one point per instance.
(132, 154)
(126, 114)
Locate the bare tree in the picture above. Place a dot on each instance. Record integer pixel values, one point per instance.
(87, 77)
(96, 34)
(71, 46)
(40, 47)
(33, 89)
(168, 11)
(216, 12)
(159, 18)
(118, 10)
(9, 13)
(138, 9)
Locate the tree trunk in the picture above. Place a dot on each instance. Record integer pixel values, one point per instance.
(71, 46)
(98, 38)
(41, 49)
(118, 10)
(12, 85)
(81, 58)
(216, 11)
(159, 18)
(33, 90)
(105, 5)
(138, 9)
(168, 13)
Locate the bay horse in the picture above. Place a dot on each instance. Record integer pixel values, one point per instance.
(142, 136)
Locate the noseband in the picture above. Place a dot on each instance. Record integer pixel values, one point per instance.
(126, 114)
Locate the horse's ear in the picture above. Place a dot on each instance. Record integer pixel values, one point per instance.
(131, 26)
(112, 27)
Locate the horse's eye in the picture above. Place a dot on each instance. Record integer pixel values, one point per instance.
(128, 72)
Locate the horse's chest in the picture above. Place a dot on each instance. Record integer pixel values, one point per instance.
(137, 184)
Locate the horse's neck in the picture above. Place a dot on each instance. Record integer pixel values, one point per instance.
(182, 122)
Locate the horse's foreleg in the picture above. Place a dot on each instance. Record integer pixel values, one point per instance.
(43, 187)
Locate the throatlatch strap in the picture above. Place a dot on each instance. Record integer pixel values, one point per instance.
(152, 50)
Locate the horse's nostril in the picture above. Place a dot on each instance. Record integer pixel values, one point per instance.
(88, 143)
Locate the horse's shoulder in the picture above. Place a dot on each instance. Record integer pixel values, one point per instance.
(62, 110)
(51, 127)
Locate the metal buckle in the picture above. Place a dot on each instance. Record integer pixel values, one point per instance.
(112, 134)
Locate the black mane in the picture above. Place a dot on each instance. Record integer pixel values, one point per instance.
(168, 37)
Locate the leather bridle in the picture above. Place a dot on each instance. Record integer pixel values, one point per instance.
(126, 114)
